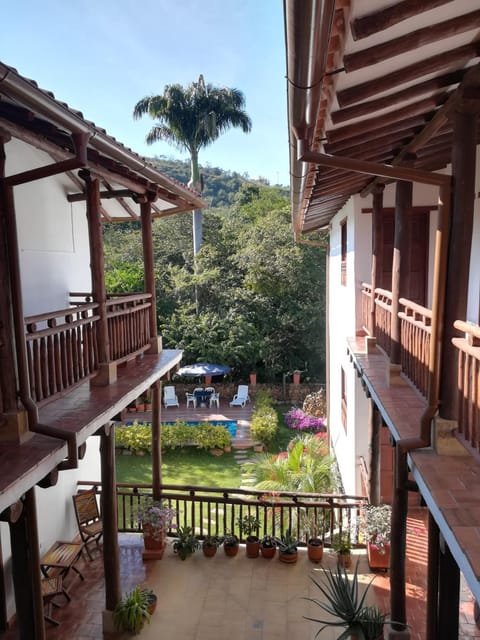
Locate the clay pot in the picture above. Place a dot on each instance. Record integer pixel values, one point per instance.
(209, 551)
(344, 560)
(268, 552)
(378, 558)
(315, 550)
(252, 547)
(288, 558)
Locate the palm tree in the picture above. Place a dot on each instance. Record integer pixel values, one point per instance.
(191, 118)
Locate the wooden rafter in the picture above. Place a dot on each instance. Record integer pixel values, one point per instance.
(459, 56)
(381, 20)
(410, 41)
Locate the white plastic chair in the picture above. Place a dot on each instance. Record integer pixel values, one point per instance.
(241, 397)
(209, 390)
(215, 399)
(191, 399)
(170, 398)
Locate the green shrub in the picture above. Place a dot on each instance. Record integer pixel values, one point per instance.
(138, 437)
(263, 399)
(264, 424)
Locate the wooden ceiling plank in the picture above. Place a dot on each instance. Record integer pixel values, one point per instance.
(388, 17)
(459, 56)
(403, 128)
(369, 107)
(421, 108)
(410, 41)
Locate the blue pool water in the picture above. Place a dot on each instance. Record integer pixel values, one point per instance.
(231, 425)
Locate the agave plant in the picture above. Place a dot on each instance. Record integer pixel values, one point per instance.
(342, 600)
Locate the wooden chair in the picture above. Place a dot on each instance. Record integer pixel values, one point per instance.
(52, 587)
(89, 521)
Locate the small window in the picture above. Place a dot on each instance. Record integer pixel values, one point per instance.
(344, 400)
(343, 264)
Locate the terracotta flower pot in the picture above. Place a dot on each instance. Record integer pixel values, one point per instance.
(252, 547)
(378, 558)
(344, 559)
(154, 542)
(230, 551)
(209, 551)
(315, 550)
(268, 552)
(288, 558)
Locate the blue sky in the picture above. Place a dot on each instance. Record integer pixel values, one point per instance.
(101, 56)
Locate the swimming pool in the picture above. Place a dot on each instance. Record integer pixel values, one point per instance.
(231, 425)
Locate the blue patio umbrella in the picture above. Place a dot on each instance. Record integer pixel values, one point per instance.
(203, 369)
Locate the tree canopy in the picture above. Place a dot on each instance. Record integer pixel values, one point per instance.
(262, 297)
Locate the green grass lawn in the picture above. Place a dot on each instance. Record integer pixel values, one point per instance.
(182, 466)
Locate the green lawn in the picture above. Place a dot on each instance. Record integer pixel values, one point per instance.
(182, 466)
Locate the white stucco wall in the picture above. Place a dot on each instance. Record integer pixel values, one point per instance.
(52, 234)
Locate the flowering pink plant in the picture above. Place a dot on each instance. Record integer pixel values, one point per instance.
(297, 419)
(376, 525)
(156, 515)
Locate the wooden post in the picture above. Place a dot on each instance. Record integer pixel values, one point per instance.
(448, 595)
(26, 572)
(403, 206)
(156, 438)
(108, 372)
(375, 459)
(377, 251)
(149, 271)
(432, 578)
(460, 241)
(399, 540)
(8, 393)
(111, 556)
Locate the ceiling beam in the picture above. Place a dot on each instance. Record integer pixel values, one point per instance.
(411, 41)
(381, 20)
(458, 56)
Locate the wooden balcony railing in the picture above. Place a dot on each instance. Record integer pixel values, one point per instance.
(468, 383)
(383, 319)
(61, 349)
(212, 511)
(128, 320)
(415, 333)
(366, 306)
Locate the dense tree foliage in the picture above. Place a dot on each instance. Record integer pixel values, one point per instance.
(261, 296)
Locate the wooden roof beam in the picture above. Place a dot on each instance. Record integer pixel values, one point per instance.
(388, 17)
(459, 56)
(104, 195)
(422, 108)
(411, 41)
(369, 107)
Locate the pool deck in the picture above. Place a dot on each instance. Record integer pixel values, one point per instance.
(243, 416)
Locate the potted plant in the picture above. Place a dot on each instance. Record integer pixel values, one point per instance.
(287, 547)
(268, 546)
(210, 545)
(186, 542)
(156, 519)
(250, 525)
(376, 529)
(342, 601)
(342, 545)
(314, 528)
(134, 609)
(230, 544)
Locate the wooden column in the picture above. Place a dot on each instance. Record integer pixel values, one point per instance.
(111, 556)
(26, 572)
(448, 594)
(8, 395)
(377, 250)
(375, 459)
(156, 437)
(149, 271)
(460, 241)
(403, 206)
(399, 540)
(108, 371)
(432, 578)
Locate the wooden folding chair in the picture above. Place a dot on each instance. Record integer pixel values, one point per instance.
(52, 587)
(89, 521)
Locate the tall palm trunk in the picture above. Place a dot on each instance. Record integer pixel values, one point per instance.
(197, 215)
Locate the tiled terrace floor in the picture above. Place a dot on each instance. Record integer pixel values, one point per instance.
(236, 598)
